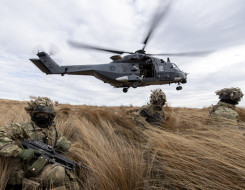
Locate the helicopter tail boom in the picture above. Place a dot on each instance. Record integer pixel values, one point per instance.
(46, 64)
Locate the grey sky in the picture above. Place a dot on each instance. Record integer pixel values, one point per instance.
(191, 25)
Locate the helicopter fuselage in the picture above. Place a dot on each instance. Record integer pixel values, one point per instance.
(135, 70)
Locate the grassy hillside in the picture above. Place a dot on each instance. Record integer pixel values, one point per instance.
(190, 151)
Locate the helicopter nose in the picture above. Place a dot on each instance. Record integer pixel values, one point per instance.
(184, 77)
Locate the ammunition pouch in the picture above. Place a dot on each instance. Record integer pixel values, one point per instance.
(36, 167)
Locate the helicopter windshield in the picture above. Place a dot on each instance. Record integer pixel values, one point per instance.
(175, 66)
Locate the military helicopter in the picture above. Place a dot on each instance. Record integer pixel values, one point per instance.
(137, 69)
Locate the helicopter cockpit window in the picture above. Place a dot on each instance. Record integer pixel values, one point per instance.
(161, 68)
(175, 66)
(162, 61)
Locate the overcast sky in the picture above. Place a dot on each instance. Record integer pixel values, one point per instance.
(27, 26)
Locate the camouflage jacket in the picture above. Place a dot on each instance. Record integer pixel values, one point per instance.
(151, 114)
(224, 115)
(10, 136)
(225, 110)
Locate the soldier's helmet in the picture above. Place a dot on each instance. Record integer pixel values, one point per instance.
(40, 105)
(230, 95)
(157, 96)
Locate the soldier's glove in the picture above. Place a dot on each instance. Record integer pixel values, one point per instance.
(26, 154)
(63, 146)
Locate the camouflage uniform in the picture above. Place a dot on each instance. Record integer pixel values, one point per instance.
(12, 134)
(153, 112)
(224, 111)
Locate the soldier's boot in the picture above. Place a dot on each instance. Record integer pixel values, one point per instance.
(28, 184)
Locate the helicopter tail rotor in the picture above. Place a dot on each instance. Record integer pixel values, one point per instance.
(52, 49)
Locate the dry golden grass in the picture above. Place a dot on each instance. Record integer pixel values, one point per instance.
(4, 174)
(241, 112)
(189, 152)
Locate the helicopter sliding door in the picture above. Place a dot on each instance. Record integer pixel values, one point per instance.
(147, 71)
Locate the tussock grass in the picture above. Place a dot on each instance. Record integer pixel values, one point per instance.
(194, 161)
(4, 173)
(241, 112)
(190, 151)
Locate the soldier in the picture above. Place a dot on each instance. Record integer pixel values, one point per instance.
(43, 128)
(224, 110)
(153, 112)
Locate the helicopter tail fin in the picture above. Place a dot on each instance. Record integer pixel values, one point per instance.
(46, 64)
(40, 65)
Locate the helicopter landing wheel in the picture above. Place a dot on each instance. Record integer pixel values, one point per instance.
(125, 90)
(179, 88)
(135, 84)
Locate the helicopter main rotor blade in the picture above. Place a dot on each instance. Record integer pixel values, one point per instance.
(160, 14)
(198, 53)
(85, 46)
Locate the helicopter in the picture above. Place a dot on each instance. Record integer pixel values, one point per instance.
(137, 69)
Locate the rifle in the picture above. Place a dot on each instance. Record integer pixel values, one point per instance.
(149, 116)
(48, 153)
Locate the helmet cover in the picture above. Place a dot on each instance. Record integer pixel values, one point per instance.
(40, 105)
(157, 95)
(234, 95)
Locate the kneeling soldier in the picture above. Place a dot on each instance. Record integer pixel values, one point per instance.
(153, 112)
(224, 111)
(32, 172)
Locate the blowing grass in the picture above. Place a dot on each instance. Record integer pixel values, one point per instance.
(193, 161)
(188, 152)
(4, 172)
